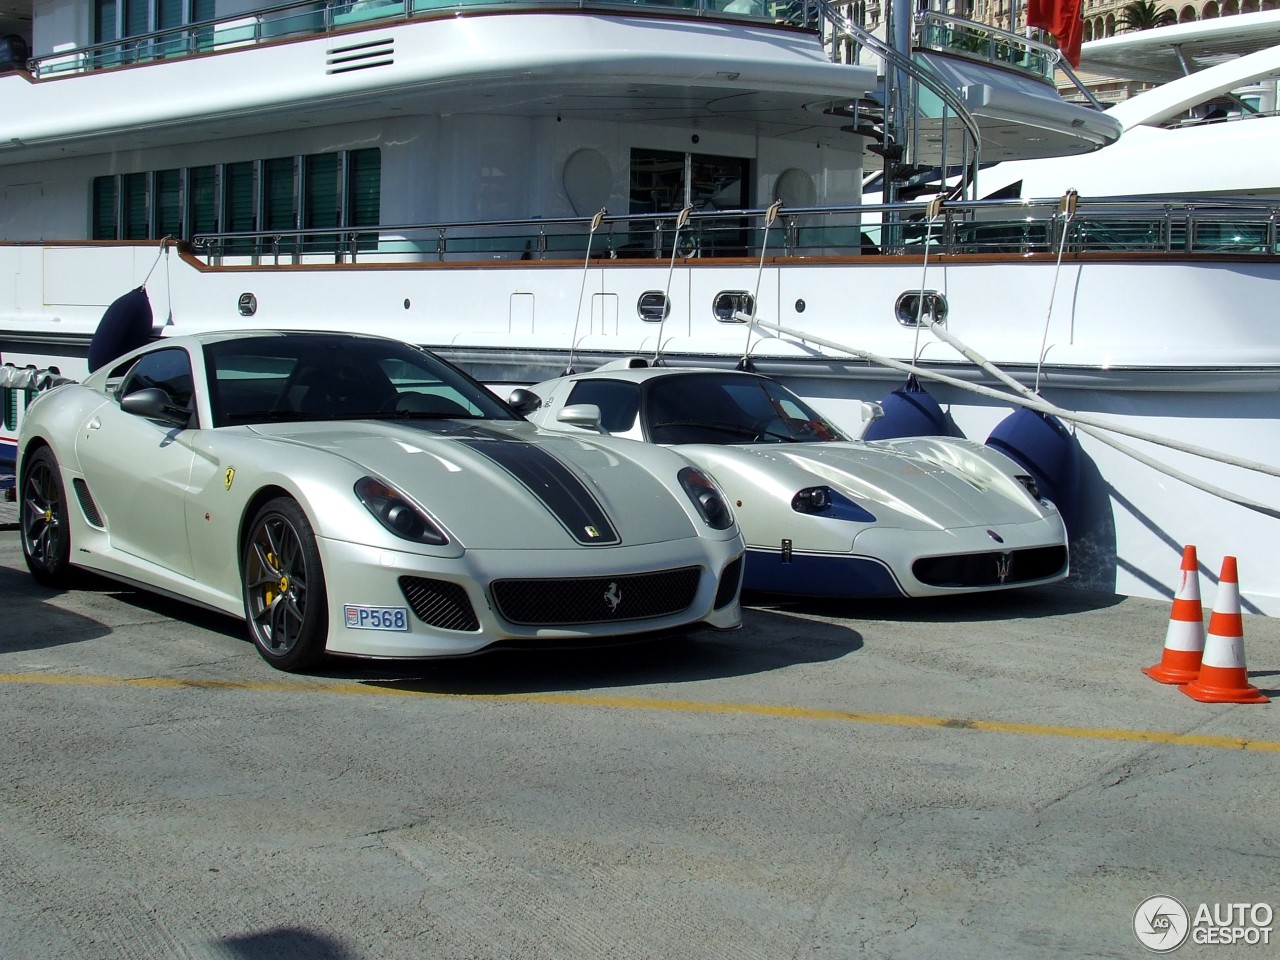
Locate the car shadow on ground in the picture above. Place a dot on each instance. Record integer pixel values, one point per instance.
(32, 623)
(1019, 604)
(769, 641)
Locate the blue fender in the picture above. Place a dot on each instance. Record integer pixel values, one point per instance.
(125, 326)
(909, 411)
(1046, 450)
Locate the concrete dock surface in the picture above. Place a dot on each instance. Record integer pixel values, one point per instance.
(983, 777)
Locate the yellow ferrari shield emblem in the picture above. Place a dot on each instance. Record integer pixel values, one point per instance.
(231, 475)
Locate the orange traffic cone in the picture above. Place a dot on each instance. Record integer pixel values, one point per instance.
(1223, 678)
(1184, 640)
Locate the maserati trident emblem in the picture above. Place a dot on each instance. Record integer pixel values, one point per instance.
(1003, 563)
(613, 597)
(995, 536)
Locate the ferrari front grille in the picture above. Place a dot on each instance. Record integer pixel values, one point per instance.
(440, 603)
(992, 569)
(638, 596)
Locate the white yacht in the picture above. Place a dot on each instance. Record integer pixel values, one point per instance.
(1209, 127)
(533, 184)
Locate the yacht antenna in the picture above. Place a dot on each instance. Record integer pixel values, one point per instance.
(573, 344)
(681, 219)
(770, 215)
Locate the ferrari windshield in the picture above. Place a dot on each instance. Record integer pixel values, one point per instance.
(316, 376)
(730, 408)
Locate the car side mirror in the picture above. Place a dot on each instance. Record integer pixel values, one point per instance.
(154, 404)
(584, 415)
(523, 401)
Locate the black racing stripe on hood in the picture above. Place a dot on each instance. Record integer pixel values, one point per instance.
(550, 481)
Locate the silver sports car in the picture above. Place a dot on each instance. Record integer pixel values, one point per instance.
(361, 496)
(824, 515)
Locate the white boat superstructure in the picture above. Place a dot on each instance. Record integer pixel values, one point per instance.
(524, 186)
(1210, 127)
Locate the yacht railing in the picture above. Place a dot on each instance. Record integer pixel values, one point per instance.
(899, 132)
(301, 18)
(946, 34)
(1107, 225)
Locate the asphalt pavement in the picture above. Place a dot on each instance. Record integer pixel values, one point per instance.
(972, 778)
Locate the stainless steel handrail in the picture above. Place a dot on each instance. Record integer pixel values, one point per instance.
(1182, 225)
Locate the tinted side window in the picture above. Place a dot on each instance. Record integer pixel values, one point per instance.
(618, 400)
(170, 370)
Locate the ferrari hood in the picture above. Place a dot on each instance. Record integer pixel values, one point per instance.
(919, 491)
(508, 484)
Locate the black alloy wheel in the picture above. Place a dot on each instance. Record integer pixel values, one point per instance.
(285, 601)
(42, 517)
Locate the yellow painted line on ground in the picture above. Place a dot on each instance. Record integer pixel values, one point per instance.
(656, 705)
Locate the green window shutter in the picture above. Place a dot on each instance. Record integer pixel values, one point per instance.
(133, 206)
(168, 212)
(202, 212)
(239, 204)
(277, 194)
(137, 16)
(169, 14)
(103, 214)
(364, 188)
(320, 201)
(104, 21)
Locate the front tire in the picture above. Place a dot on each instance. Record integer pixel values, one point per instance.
(42, 517)
(285, 601)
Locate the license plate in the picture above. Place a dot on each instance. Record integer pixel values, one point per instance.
(361, 617)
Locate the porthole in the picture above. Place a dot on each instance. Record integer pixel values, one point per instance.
(909, 311)
(728, 304)
(653, 306)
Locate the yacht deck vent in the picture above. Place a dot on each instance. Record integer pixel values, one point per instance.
(361, 56)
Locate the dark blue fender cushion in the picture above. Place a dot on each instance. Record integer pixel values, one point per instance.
(125, 326)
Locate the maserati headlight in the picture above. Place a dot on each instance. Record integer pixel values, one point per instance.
(398, 513)
(830, 503)
(1029, 482)
(707, 498)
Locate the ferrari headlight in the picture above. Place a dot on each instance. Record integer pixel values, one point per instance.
(830, 503)
(707, 498)
(398, 513)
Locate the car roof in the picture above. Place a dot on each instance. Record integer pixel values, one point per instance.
(633, 371)
(221, 336)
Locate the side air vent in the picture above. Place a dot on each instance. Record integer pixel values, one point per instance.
(86, 502)
(361, 56)
(440, 603)
(730, 580)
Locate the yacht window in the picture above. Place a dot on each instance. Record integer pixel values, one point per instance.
(664, 181)
(653, 306)
(342, 189)
(729, 303)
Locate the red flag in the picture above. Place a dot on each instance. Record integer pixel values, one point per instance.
(1062, 19)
